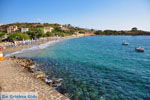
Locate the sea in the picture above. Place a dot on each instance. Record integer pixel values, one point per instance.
(98, 67)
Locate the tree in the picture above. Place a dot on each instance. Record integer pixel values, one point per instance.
(31, 34)
(99, 32)
(36, 33)
(40, 30)
(91, 29)
(57, 29)
(2, 34)
(69, 25)
(49, 34)
(18, 36)
(134, 29)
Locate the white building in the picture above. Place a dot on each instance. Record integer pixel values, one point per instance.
(48, 29)
(11, 29)
(24, 29)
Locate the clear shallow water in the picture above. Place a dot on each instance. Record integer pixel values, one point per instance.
(99, 67)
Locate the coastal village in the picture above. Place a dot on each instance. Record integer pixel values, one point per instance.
(18, 34)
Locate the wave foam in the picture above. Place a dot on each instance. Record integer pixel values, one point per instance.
(34, 47)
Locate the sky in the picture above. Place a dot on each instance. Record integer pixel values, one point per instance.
(95, 14)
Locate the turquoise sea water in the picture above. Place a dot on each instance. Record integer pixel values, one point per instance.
(99, 67)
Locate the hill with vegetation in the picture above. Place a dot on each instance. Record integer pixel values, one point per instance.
(133, 31)
(36, 31)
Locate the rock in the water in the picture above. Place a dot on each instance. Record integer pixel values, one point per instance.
(49, 81)
(40, 75)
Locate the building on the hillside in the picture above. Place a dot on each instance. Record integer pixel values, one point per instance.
(24, 30)
(48, 29)
(64, 27)
(11, 29)
(77, 32)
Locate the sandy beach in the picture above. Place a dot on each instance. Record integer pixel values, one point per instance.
(18, 48)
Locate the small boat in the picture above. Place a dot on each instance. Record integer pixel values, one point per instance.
(125, 43)
(139, 49)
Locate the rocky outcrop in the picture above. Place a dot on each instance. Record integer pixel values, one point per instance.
(40, 75)
(23, 62)
(30, 66)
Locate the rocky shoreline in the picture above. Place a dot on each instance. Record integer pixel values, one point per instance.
(31, 67)
(20, 74)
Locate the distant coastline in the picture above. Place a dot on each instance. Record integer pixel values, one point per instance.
(134, 31)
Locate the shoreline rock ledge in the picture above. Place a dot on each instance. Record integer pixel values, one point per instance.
(20, 75)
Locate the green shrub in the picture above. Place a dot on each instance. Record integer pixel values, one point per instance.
(2, 34)
(99, 32)
(49, 34)
(18, 36)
